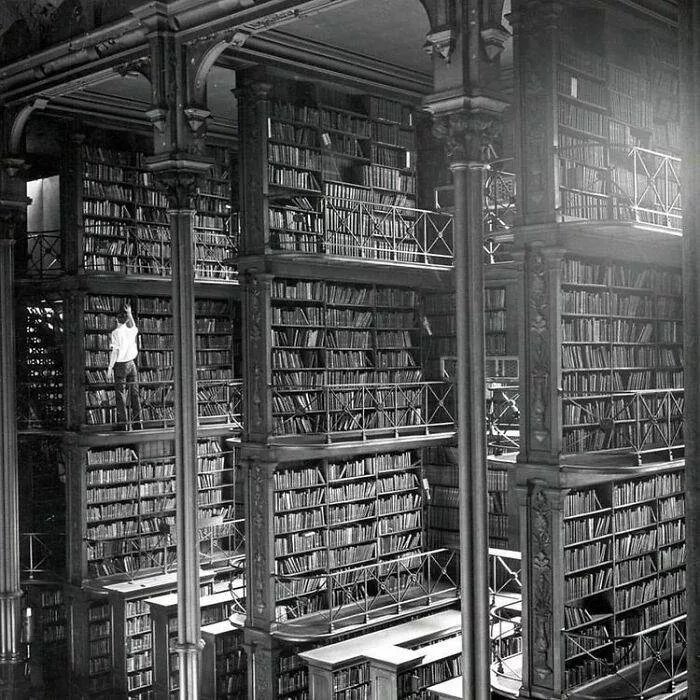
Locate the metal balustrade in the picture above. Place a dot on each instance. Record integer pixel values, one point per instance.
(656, 194)
(342, 411)
(641, 665)
(42, 256)
(385, 232)
(362, 594)
(502, 418)
(217, 400)
(41, 555)
(138, 251)
(644, 422)
(505, 592)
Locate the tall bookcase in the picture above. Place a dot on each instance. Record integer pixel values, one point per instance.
(119, 543)
(341, 399)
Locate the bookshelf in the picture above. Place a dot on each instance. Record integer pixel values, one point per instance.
(216, 325)
(125, 498)
(440, 660)
(624, 568)
(621, 332)
(125, 216)
(224, 663)
(340, 171)
(292, 676)
(40, 371)
(582, 107)
(216, 607)
(331, 516)
(339, 352)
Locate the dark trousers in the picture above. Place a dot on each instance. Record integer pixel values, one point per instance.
(126, 387)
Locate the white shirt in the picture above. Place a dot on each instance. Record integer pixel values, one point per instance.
(124, 340)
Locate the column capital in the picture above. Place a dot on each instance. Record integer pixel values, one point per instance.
(468, 136)
(179, 178)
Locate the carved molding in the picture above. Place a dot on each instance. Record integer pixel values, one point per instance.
(256, 334)
(259, 553)
(541, 548)
(468, 136)
(538, 340)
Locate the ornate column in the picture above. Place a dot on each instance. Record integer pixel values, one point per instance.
(178, 83)
(13, 213)
(540, 429)
(541, 511)
(465, 40)
(180, 183)
(689, 23)
(468, 136)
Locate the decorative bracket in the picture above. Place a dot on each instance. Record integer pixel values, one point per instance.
(158, 117)
(196, 117)
(494, 41)
(441, 43)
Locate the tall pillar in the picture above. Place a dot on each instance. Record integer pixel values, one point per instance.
(13, 218)
(468, 135)
(10, 592)
(689, 23)
(180, 186)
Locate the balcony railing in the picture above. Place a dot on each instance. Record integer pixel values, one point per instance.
(130, 251)
(502, 418)
(656, 192)
(505, 592)
(42, 256)
(364, 594)
(644, 422)
(382, 232)
(364, 411)
(641, 665)
(218, 400)
(41, 555)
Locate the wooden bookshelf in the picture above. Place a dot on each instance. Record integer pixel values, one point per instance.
(331, 516)
(125, 497)
(125, 216)
(224, 662)
(360, 341)
(40, 371)
(621, 332)
(336, 165)
(216, 607)
(624, 567)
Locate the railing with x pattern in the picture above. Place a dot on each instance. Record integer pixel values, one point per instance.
(644, 422)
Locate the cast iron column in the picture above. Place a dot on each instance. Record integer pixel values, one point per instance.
(689, 23)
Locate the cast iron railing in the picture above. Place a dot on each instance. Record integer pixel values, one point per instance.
(359, 594)
(641, 665)
(342, 411)
(644, 422)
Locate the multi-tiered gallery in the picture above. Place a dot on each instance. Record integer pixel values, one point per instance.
(305, 402)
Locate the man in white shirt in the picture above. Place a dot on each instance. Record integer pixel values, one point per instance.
(122, 368)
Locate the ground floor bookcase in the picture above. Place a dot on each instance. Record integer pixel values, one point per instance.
(613, 539)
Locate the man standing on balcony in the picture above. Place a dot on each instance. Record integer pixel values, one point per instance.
(122, 368)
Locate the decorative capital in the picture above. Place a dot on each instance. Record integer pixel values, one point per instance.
(180, 186)
(441, 43)
(468, 136)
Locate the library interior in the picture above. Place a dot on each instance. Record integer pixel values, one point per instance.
(342, 349)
